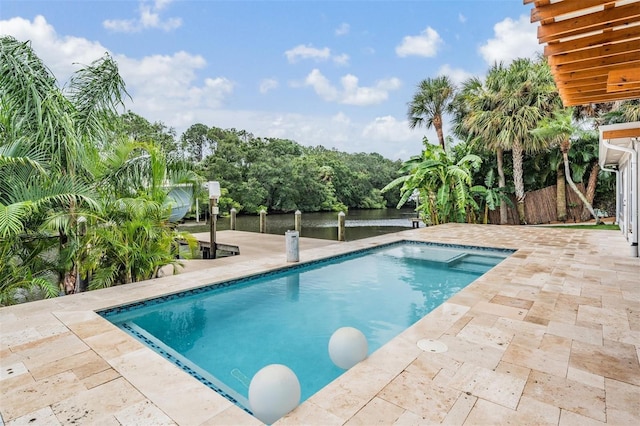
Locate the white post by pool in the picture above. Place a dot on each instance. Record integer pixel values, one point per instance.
(263, 221)
(233, 219)
(214, 194)
(292, 246)
(341, 219)
(298, 221)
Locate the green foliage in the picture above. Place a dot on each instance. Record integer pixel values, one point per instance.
(432, 99)
(559, 130)
(137, 128)
(67, 163)
(442, 182)
(490, 194)
(24, 268)
(284, 176)
(501, 111)
(130, 241)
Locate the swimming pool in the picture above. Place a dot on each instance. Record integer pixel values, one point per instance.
(224, 333)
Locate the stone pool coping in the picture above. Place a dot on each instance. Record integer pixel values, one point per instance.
(550, 335)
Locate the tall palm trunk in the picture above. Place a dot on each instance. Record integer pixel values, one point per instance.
(561, 194)
(70, 280)
(437, 123)
(518, 155)
(502, 182)
(591, 188)
(565, 146)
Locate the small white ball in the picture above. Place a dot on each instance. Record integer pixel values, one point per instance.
(347, 347)
(273, 392)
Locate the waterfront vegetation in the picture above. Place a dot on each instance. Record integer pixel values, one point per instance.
(85, 186)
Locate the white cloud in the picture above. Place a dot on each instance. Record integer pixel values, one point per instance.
(462, 18)
(342, 59)
(388, 128)
(351, 93)
(341, 118)
(307, 52)
(268, 84)
(176, 75)
(149, 17)
(343, 29)
(512, 39)
(321, 85)
(301, 52)
(385, 135)
(162, 87)
(457, 75)
(398, 139)
(169, 89)
(426, 44)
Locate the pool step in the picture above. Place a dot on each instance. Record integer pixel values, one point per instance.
(458, 260)
(474, 263)
(470, 267)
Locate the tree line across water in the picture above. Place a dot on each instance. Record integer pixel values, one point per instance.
(85, 189)
(280, 175)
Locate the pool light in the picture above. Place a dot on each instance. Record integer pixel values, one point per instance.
(273, 392)
(347, 347)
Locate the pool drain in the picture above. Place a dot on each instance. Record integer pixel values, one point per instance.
(430, 345)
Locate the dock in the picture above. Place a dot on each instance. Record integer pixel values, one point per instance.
(227, 249)
(244, 246)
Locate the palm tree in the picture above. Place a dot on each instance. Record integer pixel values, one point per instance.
(444, 184)
(64, 131)
(132, 238)
(492, 196)
(431, 100)
(556, 163)
(129, 242)
(529, 94)
(37, 121)
(477, 119)
(584, 158)
(559, 130)
(62, 168)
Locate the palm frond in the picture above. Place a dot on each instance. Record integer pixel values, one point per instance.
(12, 218)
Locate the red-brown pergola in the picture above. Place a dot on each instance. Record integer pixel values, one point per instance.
(593, 48)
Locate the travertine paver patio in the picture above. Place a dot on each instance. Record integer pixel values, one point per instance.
(549, 336)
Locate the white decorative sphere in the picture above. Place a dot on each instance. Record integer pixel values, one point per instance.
(273, 392)
(347, 347)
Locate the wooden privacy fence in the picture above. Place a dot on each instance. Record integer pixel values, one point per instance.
(540, 207)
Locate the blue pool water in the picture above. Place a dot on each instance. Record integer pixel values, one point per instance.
(224, 334)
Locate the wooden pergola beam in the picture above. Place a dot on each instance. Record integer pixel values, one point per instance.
(623, 87)
(601, 73)
(621, 134)
(595, 52)
(598, 92)
(631, 33)
(611, 97)
(626, 76)
(577, 82)
(605, 19)
(540, 13)
(599, 66)
(582, 88)
(592, 46)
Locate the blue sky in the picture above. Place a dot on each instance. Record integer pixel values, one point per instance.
(332, 73)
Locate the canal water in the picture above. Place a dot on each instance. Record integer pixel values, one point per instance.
(358, 224)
